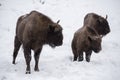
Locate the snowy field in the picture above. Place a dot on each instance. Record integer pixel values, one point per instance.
(57, 64)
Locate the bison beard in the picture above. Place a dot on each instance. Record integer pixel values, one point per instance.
(33, 30)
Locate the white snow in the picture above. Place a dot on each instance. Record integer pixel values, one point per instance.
(57, 64)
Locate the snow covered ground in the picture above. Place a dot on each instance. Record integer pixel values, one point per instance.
(56, 64)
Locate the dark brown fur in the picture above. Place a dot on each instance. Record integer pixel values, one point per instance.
(97, 22)
(85, 40)
(33, 31)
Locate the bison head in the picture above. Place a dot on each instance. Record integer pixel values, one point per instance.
(102, 26)
(55, 36)
(94, 40)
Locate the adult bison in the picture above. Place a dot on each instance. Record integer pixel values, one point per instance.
(99, 23)
(86, 39)
(33, 31)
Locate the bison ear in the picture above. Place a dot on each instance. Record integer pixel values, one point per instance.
(51, 28)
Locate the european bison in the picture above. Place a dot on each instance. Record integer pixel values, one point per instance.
(97, 22)
(33, 31)
(86, 39)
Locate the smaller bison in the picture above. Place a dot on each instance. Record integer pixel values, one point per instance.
(99, 23)
(86, 39)
(34, 30)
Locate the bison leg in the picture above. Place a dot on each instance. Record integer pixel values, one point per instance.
(80, 56)
(27, 55)
(75, 55)
(75, 58)
(36, 57)
(88, 56)
(17, 45)
(74, 52)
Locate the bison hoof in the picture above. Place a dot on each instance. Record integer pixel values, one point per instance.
(75, 60)
(80, 59)
(28, 72)
(37, 70)
(87, 59)
(13, 62)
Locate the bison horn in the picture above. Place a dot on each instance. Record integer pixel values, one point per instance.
(106, 17)
(58, 21)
